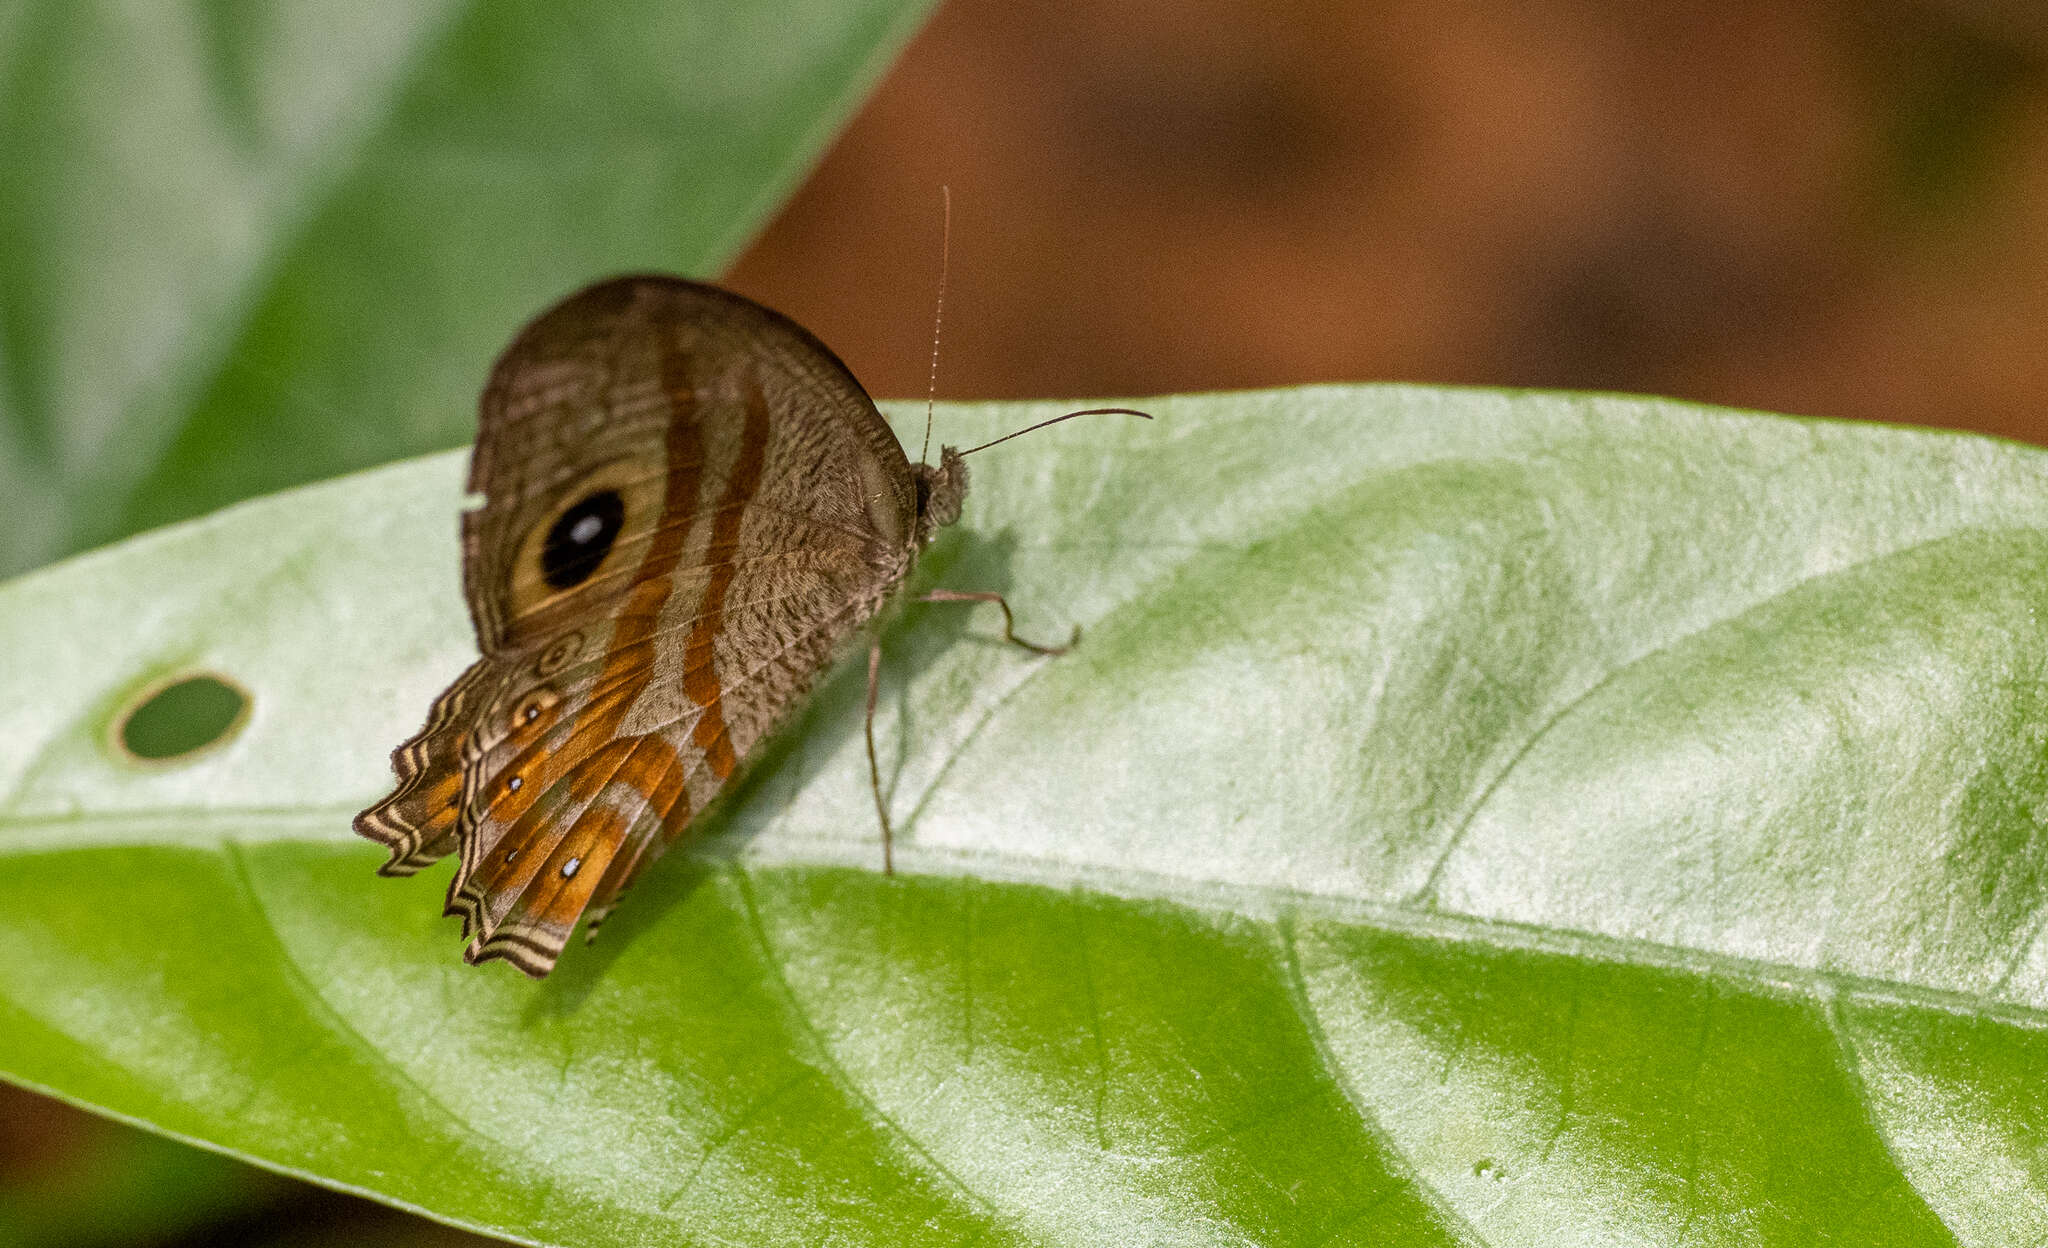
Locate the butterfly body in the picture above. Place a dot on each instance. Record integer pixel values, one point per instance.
(689, 509)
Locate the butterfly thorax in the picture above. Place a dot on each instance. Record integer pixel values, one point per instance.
(940, 491)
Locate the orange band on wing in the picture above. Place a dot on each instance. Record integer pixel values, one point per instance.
(700, 675)
(638, 619)
(632, 636)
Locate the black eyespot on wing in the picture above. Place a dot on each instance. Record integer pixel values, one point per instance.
(581, 538)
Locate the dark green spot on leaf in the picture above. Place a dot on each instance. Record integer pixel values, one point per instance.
(183, 718)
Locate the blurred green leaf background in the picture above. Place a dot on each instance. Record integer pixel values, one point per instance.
(247, 245)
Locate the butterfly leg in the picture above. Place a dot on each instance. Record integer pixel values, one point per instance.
(874, 768)
(1009, 622)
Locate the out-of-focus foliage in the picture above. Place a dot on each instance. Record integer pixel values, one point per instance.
(133, 1187)
(252, 243)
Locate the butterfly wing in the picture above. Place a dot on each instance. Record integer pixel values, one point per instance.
(689, 504)
(417, 822)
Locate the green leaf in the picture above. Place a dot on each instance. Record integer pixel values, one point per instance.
(1470, 818)
(247, 244)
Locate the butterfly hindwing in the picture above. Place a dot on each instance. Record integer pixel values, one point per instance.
(418, 821)
(688, 506)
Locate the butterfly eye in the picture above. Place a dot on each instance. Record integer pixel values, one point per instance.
(581, 538)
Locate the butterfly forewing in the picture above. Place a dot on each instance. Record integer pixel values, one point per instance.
(688, 505)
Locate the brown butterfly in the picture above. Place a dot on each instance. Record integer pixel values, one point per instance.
(689, 508)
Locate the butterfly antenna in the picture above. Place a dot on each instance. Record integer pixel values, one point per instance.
(1090, 411)
(931, 393)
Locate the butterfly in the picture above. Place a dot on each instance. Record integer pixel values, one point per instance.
(690, 508)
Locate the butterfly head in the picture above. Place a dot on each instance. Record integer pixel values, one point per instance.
(940, 491)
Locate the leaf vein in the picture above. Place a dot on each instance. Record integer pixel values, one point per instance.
(323, 1011)
(1851, 1065)
(1398, 1164)
(1424, 895)
(830, 1066)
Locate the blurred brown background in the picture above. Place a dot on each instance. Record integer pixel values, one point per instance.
(1827, 208)
(1822, 208)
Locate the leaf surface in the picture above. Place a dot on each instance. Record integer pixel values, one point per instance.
(1470, 818)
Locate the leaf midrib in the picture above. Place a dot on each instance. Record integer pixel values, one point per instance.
(797, 850)
(1416, 915)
